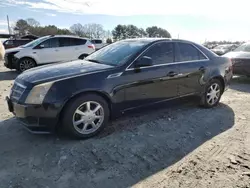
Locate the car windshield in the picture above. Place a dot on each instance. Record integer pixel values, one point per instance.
(35, 42)
(243, 48)
(117, 53)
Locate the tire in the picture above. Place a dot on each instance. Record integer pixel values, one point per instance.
(211, 98)
(76, 112)
(25, 64)
(83, 56)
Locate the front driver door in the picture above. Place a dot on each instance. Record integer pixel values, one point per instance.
(155, 83)
(47, 51)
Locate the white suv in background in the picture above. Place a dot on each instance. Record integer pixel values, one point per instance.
(48, 49)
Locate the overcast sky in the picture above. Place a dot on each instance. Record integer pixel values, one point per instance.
(196, 20)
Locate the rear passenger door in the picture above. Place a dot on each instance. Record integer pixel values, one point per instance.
(79, 47)
(65, 49)
(192, 65)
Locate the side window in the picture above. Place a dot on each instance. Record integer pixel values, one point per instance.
(161, 53)
(76, 42)
(96, 41)
(9, 42)
(189, 53)
(63, 42)
(51, 43)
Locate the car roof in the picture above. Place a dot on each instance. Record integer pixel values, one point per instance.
(156, 40)
(69, 36)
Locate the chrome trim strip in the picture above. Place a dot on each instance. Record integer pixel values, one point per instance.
(177, 62)
(16, 91)
(115, 75)
(20, 85)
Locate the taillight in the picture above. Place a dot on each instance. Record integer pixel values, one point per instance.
(91, 46)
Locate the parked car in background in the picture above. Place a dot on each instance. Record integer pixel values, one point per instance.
(222, 49)
(240, 58)
(82, 95)
(13, 43)
(98, 43)
(48, 49)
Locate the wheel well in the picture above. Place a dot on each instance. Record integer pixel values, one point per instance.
(105, 97)
(221, 80)
(28, 58)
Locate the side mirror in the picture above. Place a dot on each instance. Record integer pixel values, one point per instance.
(145, 61)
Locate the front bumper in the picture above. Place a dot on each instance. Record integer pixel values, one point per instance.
(10, 61)
(35, 118)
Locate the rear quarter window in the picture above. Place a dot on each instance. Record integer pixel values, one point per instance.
(77, 42)
(189, 53)
(96, 41)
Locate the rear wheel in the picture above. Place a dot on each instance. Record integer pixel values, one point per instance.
(25, 64)
(212, 94)
(86, 116)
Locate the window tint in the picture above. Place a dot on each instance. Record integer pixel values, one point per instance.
(50, 43)
(96, 41)
(9, 42)
(21, 42)
(189, 53)
(161, 53)
(64, 42)
(76, 42)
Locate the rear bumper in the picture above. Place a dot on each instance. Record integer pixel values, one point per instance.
(35, 118)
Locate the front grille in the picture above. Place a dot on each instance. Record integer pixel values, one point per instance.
(17, 91)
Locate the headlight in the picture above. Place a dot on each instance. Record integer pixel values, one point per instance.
(38, 93)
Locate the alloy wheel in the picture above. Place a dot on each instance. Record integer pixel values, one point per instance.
(213, 94)
(26, 64)
(88, 117)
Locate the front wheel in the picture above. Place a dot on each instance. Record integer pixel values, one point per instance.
(212, 94)
(86, 116)
(25, 64)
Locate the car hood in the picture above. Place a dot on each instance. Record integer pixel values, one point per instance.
(60, 70)
(243, 55)
(13, 50)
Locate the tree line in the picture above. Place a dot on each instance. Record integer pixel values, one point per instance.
(91, 30)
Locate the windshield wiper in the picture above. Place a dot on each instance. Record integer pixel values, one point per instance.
(93, 60)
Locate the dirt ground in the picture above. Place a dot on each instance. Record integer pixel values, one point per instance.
(180, 146)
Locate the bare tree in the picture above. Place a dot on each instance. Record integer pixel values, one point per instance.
(94, 30)
(78, 29)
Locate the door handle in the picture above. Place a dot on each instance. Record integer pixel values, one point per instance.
(172, 74)
(202, 69)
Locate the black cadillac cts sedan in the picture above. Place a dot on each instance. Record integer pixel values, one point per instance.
(81, 96)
